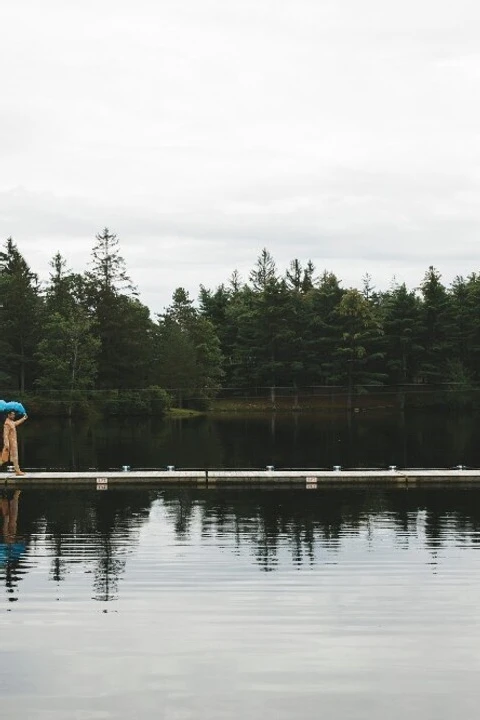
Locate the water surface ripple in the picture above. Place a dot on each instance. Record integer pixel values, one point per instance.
(204, 604)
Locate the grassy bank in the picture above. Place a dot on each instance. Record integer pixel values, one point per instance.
(184, 413)
(385, 398)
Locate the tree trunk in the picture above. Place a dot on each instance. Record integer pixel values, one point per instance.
(350, 387)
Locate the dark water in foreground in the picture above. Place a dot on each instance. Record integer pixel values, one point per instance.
(373, 439)
(223, 604)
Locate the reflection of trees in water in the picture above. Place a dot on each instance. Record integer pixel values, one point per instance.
(97, 531)
(87, 528)
(181, 511)
(366, 439)
(140, 442)
(116, 528)
(267, 520)
(314, 522)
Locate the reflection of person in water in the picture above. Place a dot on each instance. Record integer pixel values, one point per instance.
(10, 439)
(11, 548)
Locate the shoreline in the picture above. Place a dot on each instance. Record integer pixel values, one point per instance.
(156, 402)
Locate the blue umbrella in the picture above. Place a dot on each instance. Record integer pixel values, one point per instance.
(9, 406)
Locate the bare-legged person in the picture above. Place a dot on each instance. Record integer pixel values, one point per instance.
(10, 443)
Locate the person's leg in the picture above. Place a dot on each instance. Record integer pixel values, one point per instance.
(12, 525)
(5, 510)
(14, 461)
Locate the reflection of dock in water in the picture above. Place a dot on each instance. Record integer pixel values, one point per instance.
(309, 478)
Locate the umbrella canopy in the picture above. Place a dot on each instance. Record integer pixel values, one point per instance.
(9, 406)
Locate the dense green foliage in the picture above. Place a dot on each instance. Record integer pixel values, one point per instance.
(300, 330)
(86, 340)
(88, 335)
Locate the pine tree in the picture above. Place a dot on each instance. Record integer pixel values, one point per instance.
(402, 325)
(188, 357)
(357, 354)
(122, 323)
(21, 315)
(434, 315)
(264, 271)
(67, 353)
(108, 272)
(323, 333)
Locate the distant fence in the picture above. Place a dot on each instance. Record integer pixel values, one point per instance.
(364, 396)
(264, 391)
(288, 397)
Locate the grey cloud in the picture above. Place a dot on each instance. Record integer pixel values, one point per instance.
(166, 250)
(200, 133)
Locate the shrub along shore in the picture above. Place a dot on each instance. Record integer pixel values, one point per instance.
(156, 402)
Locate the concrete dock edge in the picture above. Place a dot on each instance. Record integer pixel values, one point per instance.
(215, 478)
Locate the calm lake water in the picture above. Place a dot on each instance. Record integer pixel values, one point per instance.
(370, 440)
(231, 604)
(189, 604)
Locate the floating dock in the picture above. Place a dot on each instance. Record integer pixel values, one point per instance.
(214, 478)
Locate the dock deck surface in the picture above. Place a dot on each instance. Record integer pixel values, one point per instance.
(306, 477)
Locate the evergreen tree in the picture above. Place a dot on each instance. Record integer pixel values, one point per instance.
(235, 282)
(214, 306)
(298, 278)
(323, 332)
(308, 280)
(294, 276)
(21, 315)
(434, 319)
(188, 357)
(122, 323)
(67, 353)
(108, 273)
(463, 325)
(356, 355)
(264, 271)
(241, 320)
(66, 290)
(402, 322)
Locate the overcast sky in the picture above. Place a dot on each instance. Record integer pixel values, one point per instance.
(201, 131)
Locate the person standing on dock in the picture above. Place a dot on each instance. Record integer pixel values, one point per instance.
(10, 445)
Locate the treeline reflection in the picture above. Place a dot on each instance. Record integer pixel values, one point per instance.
(305, 522)
(295, 440)
(96, 532)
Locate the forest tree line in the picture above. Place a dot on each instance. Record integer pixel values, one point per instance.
(79, 334)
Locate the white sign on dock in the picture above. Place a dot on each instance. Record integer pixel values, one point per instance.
(102, 483)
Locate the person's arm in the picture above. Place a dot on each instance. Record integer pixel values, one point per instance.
(22, 420)
(6, 439)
